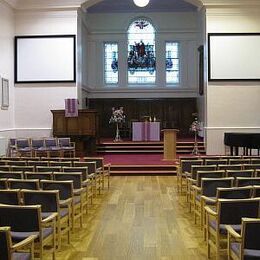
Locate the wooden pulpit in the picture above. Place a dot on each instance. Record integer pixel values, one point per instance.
(169, 144)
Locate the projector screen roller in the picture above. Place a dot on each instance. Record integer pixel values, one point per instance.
(41, 59)
(234, 57)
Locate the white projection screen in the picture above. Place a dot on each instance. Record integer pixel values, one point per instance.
(44, 59)
(234, 57)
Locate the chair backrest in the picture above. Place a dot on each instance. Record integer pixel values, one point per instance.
(17, 163)
(65, 188)
(230, 167)
(75, 177)
(208, 174)
(50, 142)
(23, 184)
(196, 168)
(239, 161)
(257, 172)
(83, 170)
(235, 192)
(48, 168)
(64, 141)
(61, 164)
(37, 143)
(245, 181)
(209, 185)
(240, 173)
(251, 167)
(255, 160)
(13, 175)
(23, 143)
(48, 199)
(37, 163)
(99, 161)
(3, 183)
(216, 161)
(21, 218)
(232, 211)
(38, 175)
(91, 165)
(250, 235)
(4, 168)
(11, 197)
(186, 164)
(256, 191)
(6, 243)
(17, 168)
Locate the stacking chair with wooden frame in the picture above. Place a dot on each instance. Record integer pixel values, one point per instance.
(79, 201)
(16, 168)
(52, 146)
(193, 177)
(38, 147)
(255, 160)
(37, 163)
(67, 146)
(60, 164)
(22, 250)
(257, 173)
(184, 172)
(66, 196)
(86, 181)
(26, 221)
(254, 167)
(256, 191)
(228, 212)
(101, 169)
(4, 168)
(239, 161)
(23, 147)
(216, 162)
(49, 200)
(207, 196)
(48, 169)
(93, 175)
(244, 245)
(227, 167)
(17, 163)
(32, 184)
(10, 197)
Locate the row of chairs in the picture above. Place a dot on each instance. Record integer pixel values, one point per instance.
(94, 164)
(217, 202)
(42, 146)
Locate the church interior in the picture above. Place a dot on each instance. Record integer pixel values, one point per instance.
(129, 129)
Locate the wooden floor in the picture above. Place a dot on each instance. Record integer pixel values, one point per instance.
(141, 217)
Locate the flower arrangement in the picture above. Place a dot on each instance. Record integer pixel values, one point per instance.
(117, 116)
(195, 126)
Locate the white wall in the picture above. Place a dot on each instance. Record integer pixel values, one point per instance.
(6, 71)
(181, 27)
(33, 102)
(231, 107)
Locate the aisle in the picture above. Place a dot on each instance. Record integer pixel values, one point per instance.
(140, 218)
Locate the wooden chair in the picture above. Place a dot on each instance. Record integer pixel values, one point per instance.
(48, 168)
(16, 168)
(38, 147)
(245, 245)
(79, 201)
(226, 167)
(26, 221)
(67, 146)
(52, 146)
(60, 164)
(228, 212)
(23, 147)
(239, 161)
(17, 163)
(37, 163)
(4, 168)
(50, 202)
(216, 162)
(254, 167)
(22, 250)
(12, 175)
(256, 191)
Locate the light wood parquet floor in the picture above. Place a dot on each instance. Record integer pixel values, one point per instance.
(139, 218)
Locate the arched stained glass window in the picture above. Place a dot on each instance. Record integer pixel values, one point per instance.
(141, 52)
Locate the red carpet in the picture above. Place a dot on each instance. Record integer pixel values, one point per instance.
(136, 159)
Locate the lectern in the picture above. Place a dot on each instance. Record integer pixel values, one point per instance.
(169, 144)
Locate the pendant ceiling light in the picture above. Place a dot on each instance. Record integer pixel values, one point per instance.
(141, 3)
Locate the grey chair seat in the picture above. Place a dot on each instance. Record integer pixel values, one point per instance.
(21, 256)
(198, 198)
(64, 212)
(222, 227)
(18, 236)
(46, 214)
(248, 253)
(76, 200)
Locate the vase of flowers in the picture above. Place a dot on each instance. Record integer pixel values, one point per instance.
(195, 127)
(117, 117)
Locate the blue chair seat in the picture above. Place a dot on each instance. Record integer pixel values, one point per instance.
(64, 212)
(248, 253)
(222, 227)
(18, 236)
(21, 256)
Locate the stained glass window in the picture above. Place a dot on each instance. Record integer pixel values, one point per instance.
(172, 63)
(111, 63)
(141, 52)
